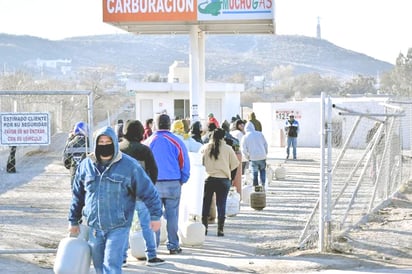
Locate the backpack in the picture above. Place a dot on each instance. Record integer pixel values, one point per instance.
(75, 151)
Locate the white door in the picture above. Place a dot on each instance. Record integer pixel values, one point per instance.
(145, 110)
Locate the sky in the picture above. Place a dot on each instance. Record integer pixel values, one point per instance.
(378, 28)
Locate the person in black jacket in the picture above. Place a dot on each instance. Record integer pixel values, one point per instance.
(131, 145)
(196, 131)
(292, 131)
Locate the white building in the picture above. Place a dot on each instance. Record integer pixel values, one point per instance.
(222, 99)
(308, 113)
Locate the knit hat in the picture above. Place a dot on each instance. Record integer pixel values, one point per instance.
(163, 121)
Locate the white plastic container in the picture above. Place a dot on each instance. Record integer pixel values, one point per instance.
(73, 254)
(232, 202)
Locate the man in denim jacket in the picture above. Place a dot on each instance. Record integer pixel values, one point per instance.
(105, 189)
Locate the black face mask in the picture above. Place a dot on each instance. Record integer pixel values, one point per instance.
(105, 150)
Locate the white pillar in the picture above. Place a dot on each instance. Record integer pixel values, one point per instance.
(194, 76)
(202, 76)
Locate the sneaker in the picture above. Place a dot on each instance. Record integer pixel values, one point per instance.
(155, 261)
(175, 251)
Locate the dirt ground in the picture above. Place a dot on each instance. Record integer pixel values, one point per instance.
(33, 219)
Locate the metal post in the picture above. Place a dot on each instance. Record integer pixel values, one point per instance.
(90, 116)
(329, 175)
(322, 174)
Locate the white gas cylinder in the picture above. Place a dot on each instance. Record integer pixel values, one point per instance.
(193, 232)
(73, 254)
(163, 230)
(280, 172)
(269, 175)
(246, 191)
(137, 244)
(232, 202)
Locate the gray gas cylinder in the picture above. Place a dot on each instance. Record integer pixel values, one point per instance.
(258, 198)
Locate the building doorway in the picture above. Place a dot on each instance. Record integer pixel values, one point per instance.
(181, 108)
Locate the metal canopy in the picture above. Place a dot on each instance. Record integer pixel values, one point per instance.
(234, 27)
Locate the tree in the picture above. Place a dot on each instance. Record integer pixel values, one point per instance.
(310, 84)
(359, 85)
(398, 81)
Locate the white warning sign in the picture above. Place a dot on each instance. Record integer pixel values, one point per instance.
(25, 128)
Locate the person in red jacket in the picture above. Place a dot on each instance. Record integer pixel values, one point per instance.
(148, 129)
(213, 120)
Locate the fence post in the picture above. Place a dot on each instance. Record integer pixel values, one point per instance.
(322, 175)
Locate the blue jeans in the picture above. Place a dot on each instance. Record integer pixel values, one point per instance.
(292, 142)
(148, 235)
(169, 193)
(221, 187)
(259, 168)
(108, 249)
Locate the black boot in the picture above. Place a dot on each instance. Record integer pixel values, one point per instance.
(205, 223)
(220, 225)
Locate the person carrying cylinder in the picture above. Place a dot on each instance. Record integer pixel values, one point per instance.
(105, 188)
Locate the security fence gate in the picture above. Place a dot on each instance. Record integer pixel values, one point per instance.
(360, 169)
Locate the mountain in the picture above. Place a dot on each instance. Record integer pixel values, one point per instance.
(225, 55)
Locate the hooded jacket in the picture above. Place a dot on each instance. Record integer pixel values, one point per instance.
(107, 199)
(256, 122)
(131, 145)
(253, 145)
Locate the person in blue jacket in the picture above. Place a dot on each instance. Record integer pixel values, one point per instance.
(172, 159)
(105, 188)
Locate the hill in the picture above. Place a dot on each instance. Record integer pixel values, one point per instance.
(225, 55)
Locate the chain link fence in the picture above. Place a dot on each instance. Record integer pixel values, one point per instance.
(367, 160)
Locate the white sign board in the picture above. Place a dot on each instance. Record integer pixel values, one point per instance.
(284, 114)
(25, 128)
